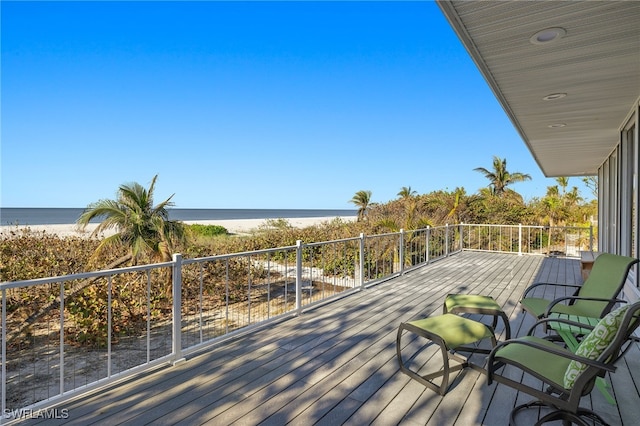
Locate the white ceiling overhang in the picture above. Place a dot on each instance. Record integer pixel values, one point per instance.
(596, 64)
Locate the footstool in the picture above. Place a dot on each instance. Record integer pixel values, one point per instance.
(451, 333)
(477, 304)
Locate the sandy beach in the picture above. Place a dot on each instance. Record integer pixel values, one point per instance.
(234, 226)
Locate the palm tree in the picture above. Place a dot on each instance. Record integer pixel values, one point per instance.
(141, 226)
(591, 182)
(554, 210)
(138, 224)
(499, 177)
(554, 206)
(563, 182)
(553, 191)
(573, 197)
(406, 192)
(361, 199)
(453, 213)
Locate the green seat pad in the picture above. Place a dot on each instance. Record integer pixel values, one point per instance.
(595, 343)
(539, 307)
(471, 301)
(454, 329)
(545, 364)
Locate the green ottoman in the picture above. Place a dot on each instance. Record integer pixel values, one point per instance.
(477, 304)
(450, 332)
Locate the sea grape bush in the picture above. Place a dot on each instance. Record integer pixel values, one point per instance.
(199, 230)
(27, 255)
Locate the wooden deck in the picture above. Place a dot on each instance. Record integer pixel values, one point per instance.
(336, 364)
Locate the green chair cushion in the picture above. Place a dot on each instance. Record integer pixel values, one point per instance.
(470, 301)
(594, 344)
(605, 280)
(453, 329)
(545, 364)
(539, 307)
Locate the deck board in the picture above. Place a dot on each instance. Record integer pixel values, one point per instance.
(336, 364)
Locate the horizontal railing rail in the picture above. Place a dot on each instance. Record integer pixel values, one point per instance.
(62, 336)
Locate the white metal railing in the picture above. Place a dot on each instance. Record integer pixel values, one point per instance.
(528, 239)
(65, 335)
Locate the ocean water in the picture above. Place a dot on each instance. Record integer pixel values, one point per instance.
(53, 216)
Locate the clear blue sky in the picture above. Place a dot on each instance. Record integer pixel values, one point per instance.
(244, 105)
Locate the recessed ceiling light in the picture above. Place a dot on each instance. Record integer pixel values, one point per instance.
(554, 96)
(556, 125)
(548, 35)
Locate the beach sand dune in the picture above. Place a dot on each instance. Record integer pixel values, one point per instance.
(234, 226)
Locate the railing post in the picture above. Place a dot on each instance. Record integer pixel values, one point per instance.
(62, 363)
(177, 307)
(298, 276)
(109, 323)
(428, 234)
(401, 251)
(461, 235)
(519, 239)
(361, 265)
(4, 350)
(446, 240)
(591, 237)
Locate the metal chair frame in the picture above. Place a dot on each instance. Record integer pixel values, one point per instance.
(564, 402)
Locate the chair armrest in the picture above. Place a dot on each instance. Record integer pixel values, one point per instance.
(574, 298)
(559, 351)
(536, 285)
(545, 321)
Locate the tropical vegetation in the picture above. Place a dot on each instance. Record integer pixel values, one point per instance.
(361, 200)
(144, 229)
(499, 177)
(144, 232)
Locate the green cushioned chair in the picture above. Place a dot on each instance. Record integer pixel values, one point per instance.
(594, 298)
(566, 376)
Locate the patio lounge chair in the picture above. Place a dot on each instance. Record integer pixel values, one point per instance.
(594, 298)
(566, 375)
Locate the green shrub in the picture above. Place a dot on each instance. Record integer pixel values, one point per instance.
(276, 224)
(207, 230)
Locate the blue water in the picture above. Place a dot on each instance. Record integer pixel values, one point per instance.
(52, 216)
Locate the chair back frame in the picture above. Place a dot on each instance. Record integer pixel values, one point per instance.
(568, 400)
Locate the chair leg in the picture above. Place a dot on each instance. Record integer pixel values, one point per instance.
(585, 412)
(570, 418)
(426, 379)
(566, 417)
(505, 321)
(516, 410)
(507, 326)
